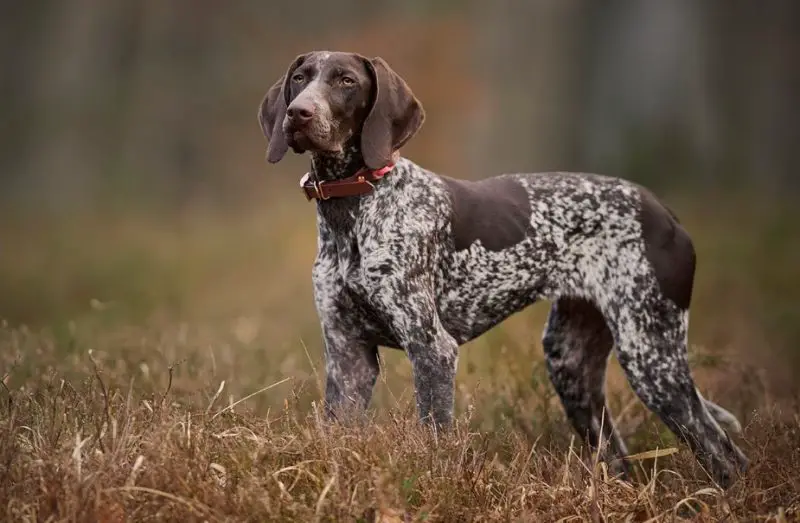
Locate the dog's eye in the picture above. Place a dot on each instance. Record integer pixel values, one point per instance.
(298, 78)
(346, 80)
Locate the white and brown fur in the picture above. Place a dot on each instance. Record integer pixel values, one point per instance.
(425, 263)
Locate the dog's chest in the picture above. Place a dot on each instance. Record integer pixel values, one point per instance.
(347, 260)
(339, 257)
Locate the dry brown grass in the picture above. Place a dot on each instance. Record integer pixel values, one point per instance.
(108, 440)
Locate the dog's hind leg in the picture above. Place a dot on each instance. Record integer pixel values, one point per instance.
(651, 348)
(577, 344)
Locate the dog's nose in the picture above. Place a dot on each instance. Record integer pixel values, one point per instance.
(300, 114)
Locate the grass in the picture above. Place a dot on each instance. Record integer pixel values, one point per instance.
(108, 448)
(171, 371)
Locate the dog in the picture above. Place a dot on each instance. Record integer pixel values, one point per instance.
(423, 262)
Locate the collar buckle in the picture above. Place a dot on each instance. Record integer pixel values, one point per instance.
(318, 189)
(303, 182)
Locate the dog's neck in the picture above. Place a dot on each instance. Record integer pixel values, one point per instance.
(340, 214)
(327, 167)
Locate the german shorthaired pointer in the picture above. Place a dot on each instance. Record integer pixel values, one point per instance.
(413, 260)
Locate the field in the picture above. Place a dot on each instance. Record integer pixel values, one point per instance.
(156, 372)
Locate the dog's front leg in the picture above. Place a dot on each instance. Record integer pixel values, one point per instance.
(433, 362)
(351, 366)
(408, 304)
(351, 359)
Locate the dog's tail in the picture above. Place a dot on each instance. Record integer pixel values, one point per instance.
(727, 420)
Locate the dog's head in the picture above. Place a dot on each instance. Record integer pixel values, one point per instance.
(326, 99)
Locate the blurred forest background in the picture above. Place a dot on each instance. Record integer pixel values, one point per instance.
(133, 185)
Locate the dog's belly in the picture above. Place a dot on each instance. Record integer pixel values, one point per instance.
(479, 289)
(469, 318)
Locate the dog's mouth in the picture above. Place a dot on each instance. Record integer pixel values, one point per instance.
(301, 140)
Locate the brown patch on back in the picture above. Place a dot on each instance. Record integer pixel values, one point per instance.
(668, 248)
(495, 211)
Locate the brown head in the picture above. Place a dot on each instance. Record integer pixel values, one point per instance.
(328, 99)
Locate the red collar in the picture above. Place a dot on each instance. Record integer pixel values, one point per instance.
(359, 183)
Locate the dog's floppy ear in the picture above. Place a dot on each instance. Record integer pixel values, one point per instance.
(396, 115)
(272, 111)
